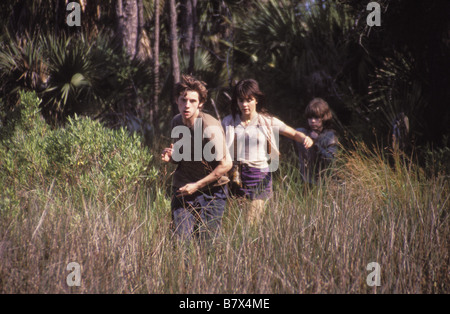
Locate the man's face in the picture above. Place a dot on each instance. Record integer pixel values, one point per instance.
(189, 105)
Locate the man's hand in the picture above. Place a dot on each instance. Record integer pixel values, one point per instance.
(166, 154)
(188, 189)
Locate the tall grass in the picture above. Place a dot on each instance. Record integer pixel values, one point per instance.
(312, 239)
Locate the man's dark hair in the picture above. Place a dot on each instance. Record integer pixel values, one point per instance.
(189, 83)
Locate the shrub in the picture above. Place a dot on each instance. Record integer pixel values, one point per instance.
(86, 147)
(437, 160)
(84, 153)
(23, 141)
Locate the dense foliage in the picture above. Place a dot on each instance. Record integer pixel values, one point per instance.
(296, 49)
(84, 154)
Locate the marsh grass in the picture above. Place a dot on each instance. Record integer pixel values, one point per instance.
(312, 239)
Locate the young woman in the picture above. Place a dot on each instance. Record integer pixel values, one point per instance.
(252, 138)
(316, 159)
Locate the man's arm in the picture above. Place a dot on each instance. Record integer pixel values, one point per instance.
(166, 154)
(222, 169)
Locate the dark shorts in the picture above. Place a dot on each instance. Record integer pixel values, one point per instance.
(256, 183)
(199, 214)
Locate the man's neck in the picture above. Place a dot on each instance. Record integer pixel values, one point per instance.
(190, 122)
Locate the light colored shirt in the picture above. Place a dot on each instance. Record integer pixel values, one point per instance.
(254, 143)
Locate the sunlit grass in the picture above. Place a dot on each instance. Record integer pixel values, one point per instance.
(312, 239)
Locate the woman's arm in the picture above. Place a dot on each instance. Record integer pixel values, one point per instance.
(297, 136)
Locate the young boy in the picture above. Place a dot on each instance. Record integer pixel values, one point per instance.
(199, 183)
(321, 154)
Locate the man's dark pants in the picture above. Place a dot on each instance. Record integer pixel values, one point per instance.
(199, 214)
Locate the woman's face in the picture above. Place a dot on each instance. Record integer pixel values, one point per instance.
(247, 106)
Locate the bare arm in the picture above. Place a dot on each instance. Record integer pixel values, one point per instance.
(222, 169)
(297, 136)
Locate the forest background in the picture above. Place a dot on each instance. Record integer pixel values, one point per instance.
(123, 60)
(85, 111)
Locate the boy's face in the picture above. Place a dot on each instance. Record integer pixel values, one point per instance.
(189, 105)
(316, 124)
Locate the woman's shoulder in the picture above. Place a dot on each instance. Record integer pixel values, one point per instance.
(271, 120)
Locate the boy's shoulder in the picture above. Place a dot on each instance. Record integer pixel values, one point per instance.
(228, 120)
(328, 136)
(329, 133)
(305, 131)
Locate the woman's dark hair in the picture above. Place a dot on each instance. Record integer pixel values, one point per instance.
(245, 89)
(318, 108)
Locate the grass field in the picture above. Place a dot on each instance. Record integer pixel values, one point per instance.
(316, 239)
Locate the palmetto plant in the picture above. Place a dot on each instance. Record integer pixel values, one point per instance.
(22, 65)
(394, 89)
(76, 76)
(66, 71)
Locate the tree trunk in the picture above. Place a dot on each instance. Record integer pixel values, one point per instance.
(186, 24)
(193, 41)
(189, 20)
(127, 25)
(174, 46)
(154, 112)
(130, 28)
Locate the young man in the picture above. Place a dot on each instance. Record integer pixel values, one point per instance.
(199, 183)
